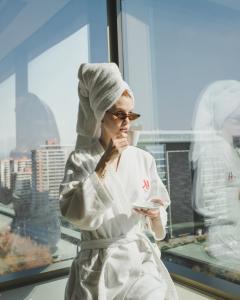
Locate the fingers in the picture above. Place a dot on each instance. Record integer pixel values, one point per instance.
(120, 143)
(151, 213)
(122, 135)
(139, 211)
(116, 146)
(159, 201)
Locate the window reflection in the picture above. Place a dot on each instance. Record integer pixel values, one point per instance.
(182, 46)
(7, 119)
(216, 163)
(44, 43)
(53, 77)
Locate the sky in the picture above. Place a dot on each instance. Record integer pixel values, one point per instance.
(52, 75)
(175, 49)
(172, 50)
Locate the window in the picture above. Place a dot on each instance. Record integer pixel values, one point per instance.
(43, 44)
(171, 51)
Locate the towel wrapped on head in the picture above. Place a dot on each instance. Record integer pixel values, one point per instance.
(100, 86)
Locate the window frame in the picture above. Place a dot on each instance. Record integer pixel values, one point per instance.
(180, 273)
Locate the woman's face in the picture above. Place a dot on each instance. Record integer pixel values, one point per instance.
(112, 125)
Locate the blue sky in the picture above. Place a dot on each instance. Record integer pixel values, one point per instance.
(191, 44)
(173, 50)
(52, 74)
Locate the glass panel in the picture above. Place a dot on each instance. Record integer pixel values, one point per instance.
(42, 45)
(173, 54)
(7, 96)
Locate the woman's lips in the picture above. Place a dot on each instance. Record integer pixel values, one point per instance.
(124, 129)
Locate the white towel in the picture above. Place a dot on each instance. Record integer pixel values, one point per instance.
(100, 86)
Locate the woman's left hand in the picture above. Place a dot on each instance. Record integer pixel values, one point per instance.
(151, 213)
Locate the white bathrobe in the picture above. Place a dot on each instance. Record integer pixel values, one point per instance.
(217, 190)
(116, 260)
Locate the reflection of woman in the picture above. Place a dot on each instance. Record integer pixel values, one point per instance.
(217, 166)
(104, 176)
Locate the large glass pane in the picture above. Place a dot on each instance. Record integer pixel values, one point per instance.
(42, 45)
(173, 54)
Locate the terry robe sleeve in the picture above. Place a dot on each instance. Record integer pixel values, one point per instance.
(83, 196)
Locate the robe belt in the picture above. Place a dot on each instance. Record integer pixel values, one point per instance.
(124, 239)
(110, 242)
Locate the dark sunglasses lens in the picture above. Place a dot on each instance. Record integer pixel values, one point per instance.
(133, 116)
(121, 116)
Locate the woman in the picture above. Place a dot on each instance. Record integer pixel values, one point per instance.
(216, 163)
(104, 177)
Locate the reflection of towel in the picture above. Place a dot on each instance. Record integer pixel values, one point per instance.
(100, 86)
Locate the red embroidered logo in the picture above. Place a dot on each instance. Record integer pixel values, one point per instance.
(146, 185)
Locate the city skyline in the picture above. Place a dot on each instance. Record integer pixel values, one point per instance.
(33, 188)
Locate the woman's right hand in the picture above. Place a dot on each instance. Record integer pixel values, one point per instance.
(115, 147)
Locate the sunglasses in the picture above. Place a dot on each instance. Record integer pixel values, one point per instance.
(123, 116)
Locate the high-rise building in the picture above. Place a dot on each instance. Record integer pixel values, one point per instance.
(5, 177)
(48, 164)
(21, 177)
(181, 214)
(21, 166)
(22, 193)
